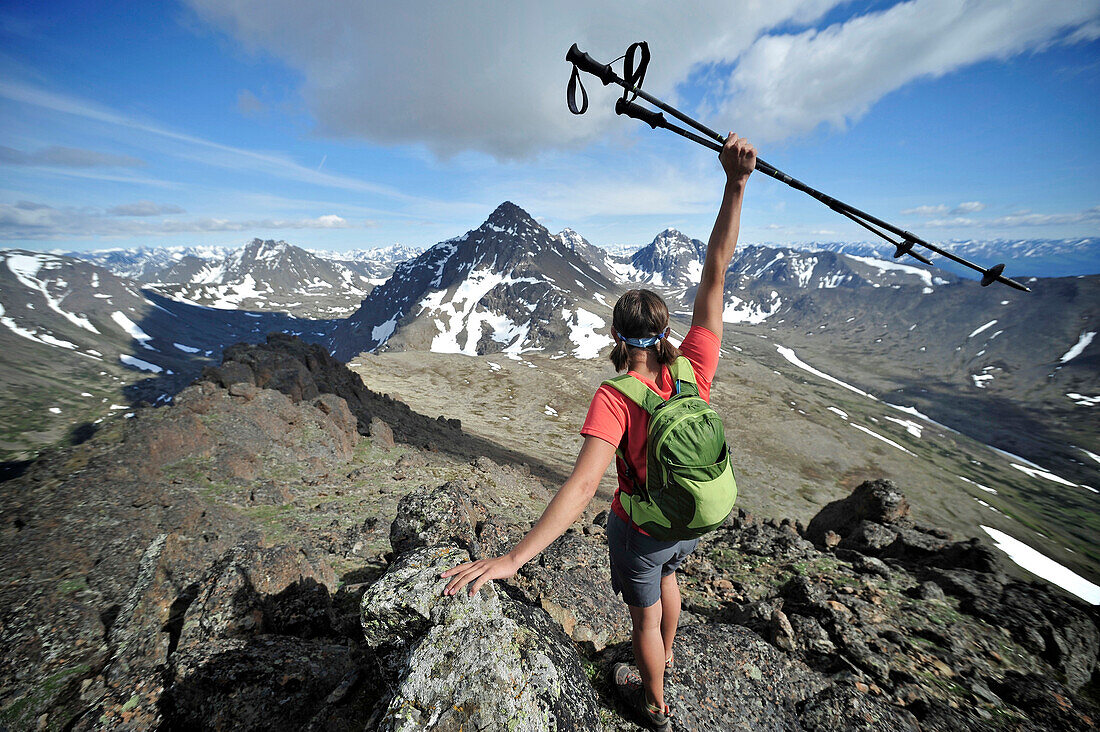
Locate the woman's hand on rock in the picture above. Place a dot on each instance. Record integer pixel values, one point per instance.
(479, 573)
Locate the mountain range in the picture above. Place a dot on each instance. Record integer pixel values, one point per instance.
(1018, 371)
(1022, 257)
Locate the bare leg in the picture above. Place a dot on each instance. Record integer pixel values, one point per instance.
(649, 651)
(670, 611)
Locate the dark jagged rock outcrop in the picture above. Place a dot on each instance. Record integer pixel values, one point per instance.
(1056, 628)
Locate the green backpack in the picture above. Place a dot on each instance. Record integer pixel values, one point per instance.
(690, 487)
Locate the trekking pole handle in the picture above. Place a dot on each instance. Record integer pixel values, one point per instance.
(656, 119)
(586, 63)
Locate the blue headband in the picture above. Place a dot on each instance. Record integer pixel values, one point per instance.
(643, 342)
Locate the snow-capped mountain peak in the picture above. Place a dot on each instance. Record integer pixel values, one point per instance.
(508, 285)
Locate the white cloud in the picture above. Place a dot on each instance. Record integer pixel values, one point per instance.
(1089, 215)
(467, 75)
(67, 157)
(940, 209)
(144, 208)
(787, 85)
(26, 220)
(937, 210)
(486, 76)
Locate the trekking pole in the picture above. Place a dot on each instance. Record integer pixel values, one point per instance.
(632, 85)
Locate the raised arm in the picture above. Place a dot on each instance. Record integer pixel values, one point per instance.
(738, 160)
(564, 508)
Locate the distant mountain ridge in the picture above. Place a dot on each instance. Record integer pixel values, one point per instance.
(266, 275)
(1022, 257)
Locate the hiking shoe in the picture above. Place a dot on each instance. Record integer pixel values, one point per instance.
(629, 682)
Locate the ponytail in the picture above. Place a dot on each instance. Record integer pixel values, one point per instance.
(620, 355)
(666, 352)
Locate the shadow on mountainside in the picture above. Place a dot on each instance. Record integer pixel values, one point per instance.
(303, 371)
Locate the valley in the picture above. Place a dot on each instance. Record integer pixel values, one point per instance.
(835, 365)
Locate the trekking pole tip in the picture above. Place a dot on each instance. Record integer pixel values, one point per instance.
(993, 274)
(990, 275)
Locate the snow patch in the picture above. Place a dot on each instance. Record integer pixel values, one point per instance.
(990, 324)
(186, 349)
(1081, 345)
(1044, 567)
(979, 485)
(877, 436)
(910, 426)
(883, 265)
(742, 311)
(137, 363)
(1047, 475)
(583, 329)
(130, 327)
(381, 333)
(26, 267)
(790, 355)
(842, 413)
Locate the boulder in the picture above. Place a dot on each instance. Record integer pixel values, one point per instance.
(1058, 629)
(262, 682)
(258, 636)
(877, 501)
(381, 434)
(477, 662)
(1046, 702)
(253, 590)
(440, 515)
(571, 580)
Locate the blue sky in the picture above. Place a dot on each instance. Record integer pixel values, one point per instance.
(343, 125)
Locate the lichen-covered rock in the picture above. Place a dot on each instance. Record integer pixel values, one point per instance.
(843, 707)
(264, 682)
(255, 590)
(571, 580)
(1058, 629)
(438, 515)
(727, 677)
(465, 662)
(1047, 703)
(398, 609)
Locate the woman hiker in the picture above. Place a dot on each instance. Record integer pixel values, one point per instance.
(643, 569)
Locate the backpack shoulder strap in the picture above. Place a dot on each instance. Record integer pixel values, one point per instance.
(636, 391)
(683, 376)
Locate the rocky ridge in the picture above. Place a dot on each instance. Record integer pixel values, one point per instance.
(173, 600)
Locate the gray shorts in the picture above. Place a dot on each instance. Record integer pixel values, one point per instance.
(638, 562)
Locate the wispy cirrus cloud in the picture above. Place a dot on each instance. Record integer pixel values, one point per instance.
(1018, 220)
(966, 207)
(27, 220)
(67, 157)
(193, 147)
(145, 208)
